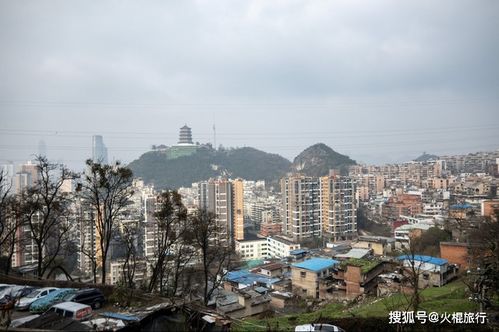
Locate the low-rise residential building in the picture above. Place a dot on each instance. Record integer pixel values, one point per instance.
(249, 303)
(270, 229)
(405, 233)
(360, 276)
(456, 253)
(431, 271)
(280, 300)
(460, 211)
(379, 244)
(308, 277)
(243, 278)
(279, 246)
(403, 204)
(273, 270)
(252, 249)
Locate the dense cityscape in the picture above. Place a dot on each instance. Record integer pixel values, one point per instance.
(255, 165)
(241, 249)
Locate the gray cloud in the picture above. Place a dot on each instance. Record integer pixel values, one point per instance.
(266, 71)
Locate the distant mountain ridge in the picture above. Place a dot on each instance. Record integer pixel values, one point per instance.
(247, 163)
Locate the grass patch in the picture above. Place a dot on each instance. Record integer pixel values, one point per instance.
(449, 298)
(364, 264)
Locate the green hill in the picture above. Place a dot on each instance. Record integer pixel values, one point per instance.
(318, 159)
(426, 157)
(247, 163)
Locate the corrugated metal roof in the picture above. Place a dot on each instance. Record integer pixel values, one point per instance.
(424, 259)
(316, 264)
(247, 278)
(355, 253)
(297, 252)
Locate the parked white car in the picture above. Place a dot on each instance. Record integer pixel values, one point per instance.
(76, 311)
(318, 327)
(25, 302)
(16, 291)
(6, 289)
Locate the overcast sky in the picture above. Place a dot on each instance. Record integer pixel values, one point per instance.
(381, 81)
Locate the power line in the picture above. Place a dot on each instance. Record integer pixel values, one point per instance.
(302, 134)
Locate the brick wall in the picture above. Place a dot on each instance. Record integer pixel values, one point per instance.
(455, 253)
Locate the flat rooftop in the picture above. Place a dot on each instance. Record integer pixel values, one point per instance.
(316, 264)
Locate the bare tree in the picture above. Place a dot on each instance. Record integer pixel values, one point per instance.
(178, 264)
(87, 239)
(170, 217)
(413, 270)
(215, 255)
(9, 222)
(482, 276)
(107, 188)
(5, 194)
(128, 238)
(44, 207)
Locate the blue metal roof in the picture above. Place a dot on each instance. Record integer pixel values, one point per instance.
(424, 259)
(297, 252)
(247, 278)
(117, 315)
(461, 206)
(316, 264)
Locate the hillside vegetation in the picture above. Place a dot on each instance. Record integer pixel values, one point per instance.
(247, 163)
(318, 159)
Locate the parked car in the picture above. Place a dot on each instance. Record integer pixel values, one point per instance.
(76, 311)
(16, 291)
(25, 302)
(90, 296)
(3, 287)
(6, 289)
(25, 291)
(318, 327)
(43, 304)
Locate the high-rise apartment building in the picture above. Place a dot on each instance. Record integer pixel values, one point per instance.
(301, 204)
(99, 150)
(339, 208)
(318, 207)
(151, 229)
(224, 198)
(238, 208)
(26, 177)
